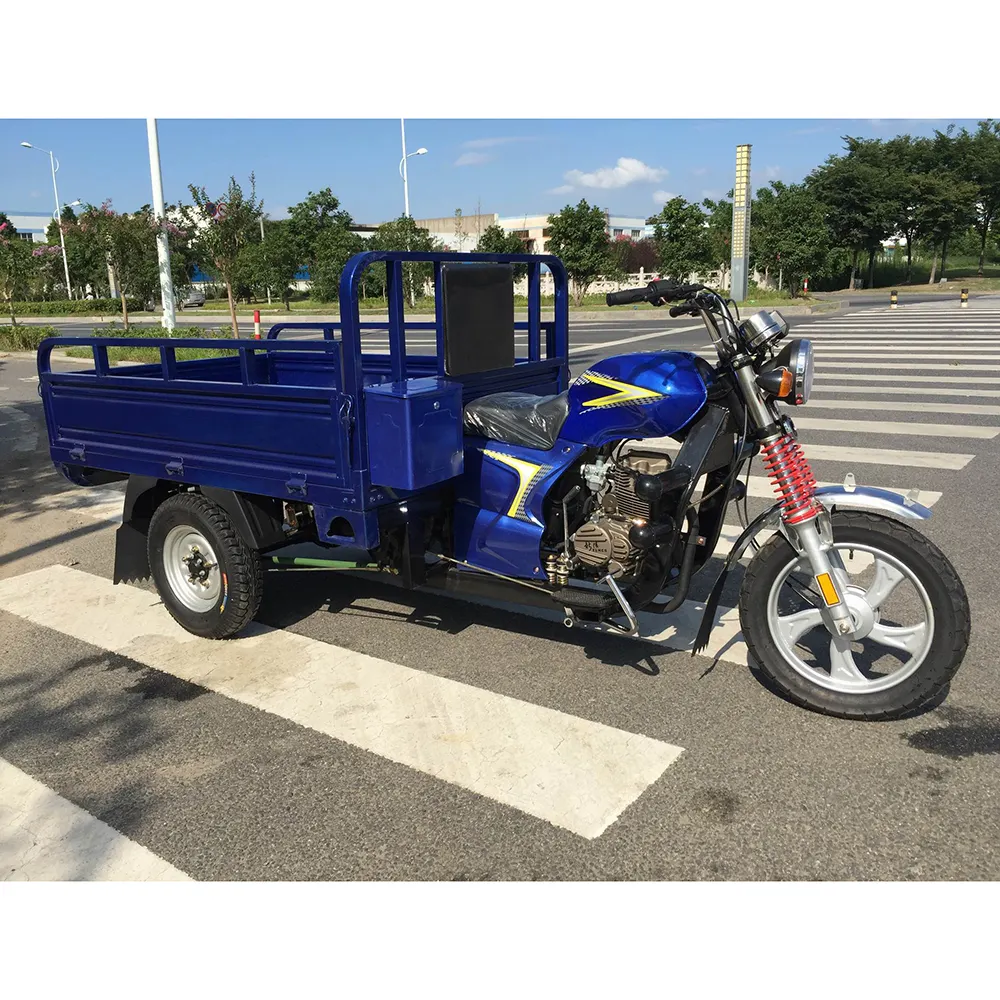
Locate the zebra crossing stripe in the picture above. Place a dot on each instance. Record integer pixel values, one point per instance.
(904, 406)
(574, 773)
(903, 390)
(913, 428)
(879, 377)
(46, 838)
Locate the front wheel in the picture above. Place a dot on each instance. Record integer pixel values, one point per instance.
(909, 608)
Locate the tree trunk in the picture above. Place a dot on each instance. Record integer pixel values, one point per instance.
(854, 271)
(909, 259)
(767, 275)
(232, 311)
(982, 247)
(871, 267)
(121, 292)
(13, 318)
(944, 256)
(930, 280)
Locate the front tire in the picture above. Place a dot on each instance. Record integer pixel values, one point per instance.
(209, 579)
(887, 668)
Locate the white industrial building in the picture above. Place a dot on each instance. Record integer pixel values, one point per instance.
(29, 225)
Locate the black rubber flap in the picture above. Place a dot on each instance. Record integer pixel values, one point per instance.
(478, 317)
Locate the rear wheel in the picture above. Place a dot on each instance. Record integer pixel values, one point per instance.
(910, 612)
(209, 579)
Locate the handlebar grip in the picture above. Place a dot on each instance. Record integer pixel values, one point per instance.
(683, 310)
(626, 296)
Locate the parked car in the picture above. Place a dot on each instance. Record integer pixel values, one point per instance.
(194, 299)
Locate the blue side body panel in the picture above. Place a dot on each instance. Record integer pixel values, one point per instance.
(499, 516)
(654, 394)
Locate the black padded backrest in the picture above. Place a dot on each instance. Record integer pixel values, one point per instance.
(478, 317)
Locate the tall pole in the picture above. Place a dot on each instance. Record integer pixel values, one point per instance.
(262, 240)
(740, 264)
(162, 246)
(54, 163)
(406, 186)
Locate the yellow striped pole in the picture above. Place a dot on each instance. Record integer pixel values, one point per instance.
(965, 298)
(893, 297)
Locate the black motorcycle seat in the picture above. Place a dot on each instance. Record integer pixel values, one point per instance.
(518, 418)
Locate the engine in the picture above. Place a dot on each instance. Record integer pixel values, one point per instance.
(602, 541)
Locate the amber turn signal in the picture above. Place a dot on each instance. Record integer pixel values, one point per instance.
(778, 382)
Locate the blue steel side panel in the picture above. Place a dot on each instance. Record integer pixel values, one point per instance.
(652, 394)
(499, 515)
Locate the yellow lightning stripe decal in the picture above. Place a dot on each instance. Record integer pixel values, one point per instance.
(623, 391)
(526, 472)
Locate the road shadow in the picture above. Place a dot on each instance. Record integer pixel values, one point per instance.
(106, 728)
(292, 597)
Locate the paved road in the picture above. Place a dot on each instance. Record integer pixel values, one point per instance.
(363, 732)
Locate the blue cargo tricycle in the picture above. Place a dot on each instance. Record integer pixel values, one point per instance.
(456, 453)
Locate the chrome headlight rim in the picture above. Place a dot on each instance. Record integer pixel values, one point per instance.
(804, 369)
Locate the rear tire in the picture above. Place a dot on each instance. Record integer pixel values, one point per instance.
(779, 646)
(209, 579)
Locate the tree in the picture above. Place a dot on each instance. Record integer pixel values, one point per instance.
(403, 234)
(496, 240)
(15, 265)
(978, 157)
(718, 236)
(946, 206)
(860, 197)
(223, 229)
(310, 219)
(127, 242)
(335, 248)
(579, 237)
(788, 233)
(460, 234)
(681, 239)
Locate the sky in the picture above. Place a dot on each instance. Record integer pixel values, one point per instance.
(511, 167)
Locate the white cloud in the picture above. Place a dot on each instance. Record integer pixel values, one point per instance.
(500, 140)
(700, 171)
(772, 173)
(712, 193)
(472, 159)
(662, 197)
(626, 171)
(562, 189)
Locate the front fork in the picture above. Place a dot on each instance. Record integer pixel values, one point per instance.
(804, 521)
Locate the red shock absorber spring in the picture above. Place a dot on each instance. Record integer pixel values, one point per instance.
(793, 480)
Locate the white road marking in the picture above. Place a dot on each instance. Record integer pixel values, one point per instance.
(24, 432)
(966, 409)
(574, 773)
(901, 390)
(898, 427)
(882, 366)
(28, 378)
(866, 456)
(582, 348)
(875, 353)
(100, 503)
(46, 838)
(877, 376)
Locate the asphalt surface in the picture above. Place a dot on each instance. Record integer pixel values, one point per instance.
(220, 788)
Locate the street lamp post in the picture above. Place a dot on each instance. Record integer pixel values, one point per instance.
(406, 183)
(169, 319)
(54, 163)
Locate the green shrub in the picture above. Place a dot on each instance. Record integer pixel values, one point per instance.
(152, 354)
(24, 338)
(76, 307)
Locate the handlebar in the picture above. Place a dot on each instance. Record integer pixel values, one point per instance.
(656, 292)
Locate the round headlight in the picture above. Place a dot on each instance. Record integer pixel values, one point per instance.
(803, 367)
(790, 376)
